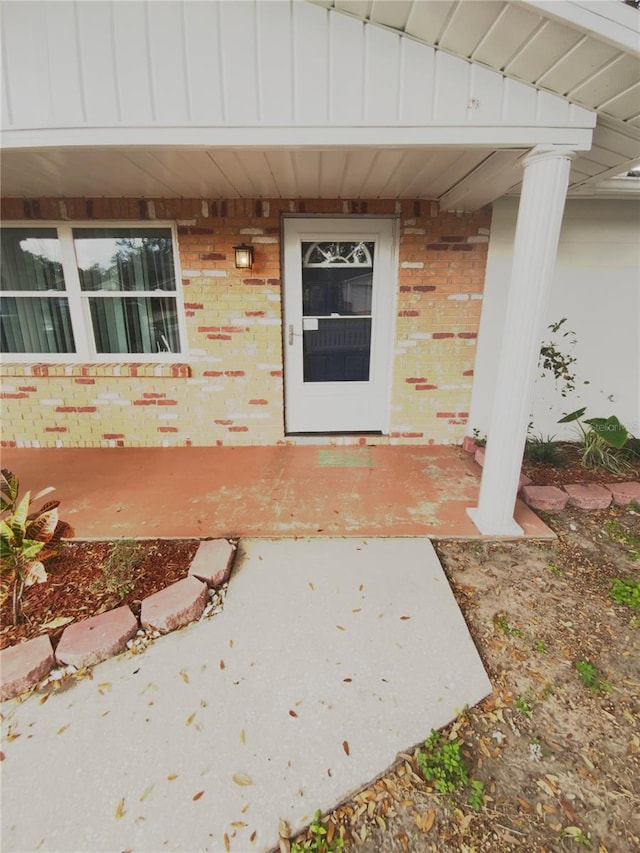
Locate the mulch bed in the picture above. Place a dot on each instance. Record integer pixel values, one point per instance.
(72, 589)
(572, 470)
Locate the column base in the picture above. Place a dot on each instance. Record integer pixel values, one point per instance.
(494, 527)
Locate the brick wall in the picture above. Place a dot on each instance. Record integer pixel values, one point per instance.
(229, 390)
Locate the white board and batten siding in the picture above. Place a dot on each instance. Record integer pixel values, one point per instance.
(195, 73)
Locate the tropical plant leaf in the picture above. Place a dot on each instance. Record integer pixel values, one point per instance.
(34, 573)
(43, 525)
(6, 533)
(58, 622)
(46, 491)
(610, 430)
(18, 520)
(5, 551)
(9, 485)
(573, 416)
(44, 508)
(6, 580)
(29, 549)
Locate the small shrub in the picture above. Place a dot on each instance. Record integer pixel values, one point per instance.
(476, 795)
(603, 443)
(617, 532)
(590, 677)
(481, 441)
(317, 841)
(501, 623)
(544, 451)
(524, 706)
(597, 454)
(25, 535)
(626, 591)
(443, 764)
(119, 571)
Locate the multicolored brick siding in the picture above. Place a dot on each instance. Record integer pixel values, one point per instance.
(229, 388)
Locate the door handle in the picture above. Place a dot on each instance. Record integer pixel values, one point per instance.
(291, 334)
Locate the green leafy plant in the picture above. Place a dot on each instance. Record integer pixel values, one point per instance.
(476, 795)
(443, 764)
(480, 440)
(540, 647)
(24, 535)
(626, 591)
(119, 571)
(602, 443)
(553, 360)
(590, 677)
(555, 570)
(524, 706)
(501, 623)
(317, 842)
(546, 451)
(617, 532)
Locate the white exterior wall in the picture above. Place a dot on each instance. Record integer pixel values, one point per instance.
(596, 287)
(194, 65)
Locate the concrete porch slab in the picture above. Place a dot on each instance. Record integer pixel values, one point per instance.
(330, 657)
(235, 492)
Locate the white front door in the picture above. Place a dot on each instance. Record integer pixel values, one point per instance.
(339, 295)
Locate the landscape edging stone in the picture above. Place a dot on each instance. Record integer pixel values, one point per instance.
(25, 677)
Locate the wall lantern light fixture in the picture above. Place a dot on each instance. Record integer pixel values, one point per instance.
(244, 256)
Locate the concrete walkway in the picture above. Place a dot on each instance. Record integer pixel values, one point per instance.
(331, 656)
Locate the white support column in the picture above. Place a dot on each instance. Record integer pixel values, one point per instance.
(544, 190)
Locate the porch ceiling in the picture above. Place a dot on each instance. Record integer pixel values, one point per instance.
(434, 99)
(393, 172)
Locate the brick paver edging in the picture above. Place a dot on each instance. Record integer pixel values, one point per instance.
(97, 638)
(587, 496)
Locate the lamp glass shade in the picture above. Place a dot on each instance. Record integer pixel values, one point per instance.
(244, 256)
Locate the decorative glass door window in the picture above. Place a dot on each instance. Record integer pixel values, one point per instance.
(339, 284)
(337, 289)
(89, 293)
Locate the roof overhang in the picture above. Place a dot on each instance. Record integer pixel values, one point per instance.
(367, 109)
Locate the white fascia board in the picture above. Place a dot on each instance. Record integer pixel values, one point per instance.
(460, 135)
(607, 20)
(620, 187)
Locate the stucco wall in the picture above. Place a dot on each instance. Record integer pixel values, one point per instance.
(596, 286)
(228, 389)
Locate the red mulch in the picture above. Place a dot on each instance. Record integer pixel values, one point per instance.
(67, 591)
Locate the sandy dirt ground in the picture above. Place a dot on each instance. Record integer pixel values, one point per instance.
(557, 752)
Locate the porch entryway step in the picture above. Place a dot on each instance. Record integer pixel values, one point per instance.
(95, 639)
(175, 606)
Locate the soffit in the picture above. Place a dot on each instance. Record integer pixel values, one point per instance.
(245, 173)
(587, 53)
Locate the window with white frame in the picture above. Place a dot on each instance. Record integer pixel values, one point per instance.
(89, 293)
